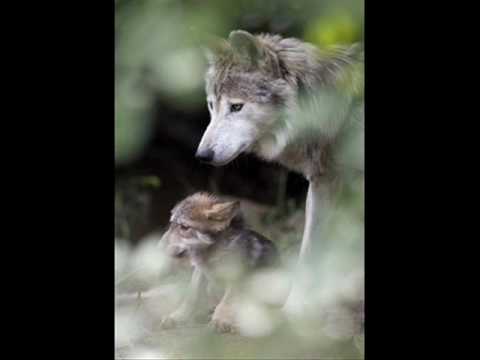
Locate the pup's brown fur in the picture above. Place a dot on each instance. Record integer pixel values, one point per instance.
(211, 232)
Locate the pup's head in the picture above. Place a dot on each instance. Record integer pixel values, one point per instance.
(198, 221)
(245, 89)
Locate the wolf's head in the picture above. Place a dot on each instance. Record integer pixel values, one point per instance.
(246, 90)
(198, 221)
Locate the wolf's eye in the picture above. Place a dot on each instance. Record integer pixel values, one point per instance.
(210, 105)
(236, 107)
(183, 227)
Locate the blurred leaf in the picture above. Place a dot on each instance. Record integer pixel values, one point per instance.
(131, 134)
(133, 119)
(151, 181)
(340, 28)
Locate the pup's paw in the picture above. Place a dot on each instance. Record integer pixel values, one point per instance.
(222, 326)
(168, 323)
(173, 320)
(223, 319)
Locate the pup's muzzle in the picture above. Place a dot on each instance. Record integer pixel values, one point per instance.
(176, 251)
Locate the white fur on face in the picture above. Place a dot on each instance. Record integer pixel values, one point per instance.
(231, 133)
(271, 145)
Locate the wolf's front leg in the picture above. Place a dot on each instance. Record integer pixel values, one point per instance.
(318, 205)
(189, 306)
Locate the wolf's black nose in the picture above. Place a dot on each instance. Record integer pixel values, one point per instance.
(205, 155)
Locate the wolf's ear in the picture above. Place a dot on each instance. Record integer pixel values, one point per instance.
(246, 45)
(215, 48)
(223, 212)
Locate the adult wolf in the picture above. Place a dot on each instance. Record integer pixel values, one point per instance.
(287, 101)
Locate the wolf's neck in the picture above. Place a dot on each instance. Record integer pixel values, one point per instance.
(307, 155)
(305, 140)
(326, 83)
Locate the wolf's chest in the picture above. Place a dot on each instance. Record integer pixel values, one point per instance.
(310, 159)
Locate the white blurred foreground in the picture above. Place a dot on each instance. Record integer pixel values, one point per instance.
(150, 285)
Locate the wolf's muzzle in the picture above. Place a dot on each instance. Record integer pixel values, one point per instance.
(205, 156)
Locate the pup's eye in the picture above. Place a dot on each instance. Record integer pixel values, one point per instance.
(184, 227)
(236, 107)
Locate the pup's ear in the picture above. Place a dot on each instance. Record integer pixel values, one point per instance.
(223, 212)
(246, 45)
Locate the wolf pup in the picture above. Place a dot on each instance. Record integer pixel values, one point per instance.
(211, 232)
(289, 102)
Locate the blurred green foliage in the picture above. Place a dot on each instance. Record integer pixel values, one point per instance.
(341, 28)
(132, 203)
